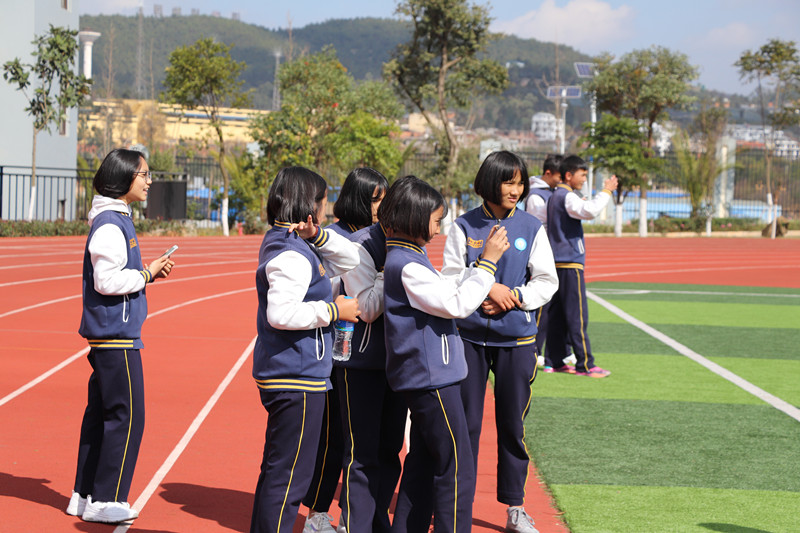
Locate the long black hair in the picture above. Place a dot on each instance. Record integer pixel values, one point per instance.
(354, 205)
(295, 194)
(497, 168)
(117, 172)
(408, 206)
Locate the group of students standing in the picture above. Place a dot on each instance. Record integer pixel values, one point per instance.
(424, 342)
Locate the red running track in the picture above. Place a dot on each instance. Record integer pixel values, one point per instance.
(200, 326)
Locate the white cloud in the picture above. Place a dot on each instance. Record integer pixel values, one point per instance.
(736, 35)
(588, 25)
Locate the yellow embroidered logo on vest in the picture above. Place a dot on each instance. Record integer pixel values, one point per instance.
(133, 243)
(472, 243)
(321, 270)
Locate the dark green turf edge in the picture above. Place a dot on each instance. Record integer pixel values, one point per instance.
(652, 443)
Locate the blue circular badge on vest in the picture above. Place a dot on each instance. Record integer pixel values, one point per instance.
(520, 244)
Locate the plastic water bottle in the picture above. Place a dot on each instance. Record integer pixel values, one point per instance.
(343, 332)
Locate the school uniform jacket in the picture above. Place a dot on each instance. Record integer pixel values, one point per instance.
(114, 302)
(296, 309)
(565, 210)
(526, 268)
(423, 349)
(365, 282)
(536, 203)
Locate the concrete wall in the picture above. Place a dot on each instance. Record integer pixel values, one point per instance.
(18, 27)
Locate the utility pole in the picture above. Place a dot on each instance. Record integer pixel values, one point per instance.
(276, 90)
(140, 89)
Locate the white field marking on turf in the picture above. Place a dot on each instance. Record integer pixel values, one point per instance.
(44, 376)
(671, 271)
(170, 461)
(610, 290)
(72, 276)
(73, 357)
(724, 373)
(42, 304)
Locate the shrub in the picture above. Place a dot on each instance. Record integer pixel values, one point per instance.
(42, 228)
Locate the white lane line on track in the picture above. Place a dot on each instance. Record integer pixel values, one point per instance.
(75, 276)
(593, 276)
(172, 458)
(75, 356)
(34, 306)
(724, 373)
(79, 260)
(58, 300)
(44, 376)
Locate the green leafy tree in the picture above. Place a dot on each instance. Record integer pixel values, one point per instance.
(442, 67)
(617, 145)
(698, 169)
(338, 113)
(49, 84)
(283, 141)
(367, 141)
(643, 85)
(204, 76)
(774, 66)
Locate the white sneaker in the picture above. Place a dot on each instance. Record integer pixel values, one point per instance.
(519, 521)
(341, 528)
(108, 512)
(318, 523)
(77, 504)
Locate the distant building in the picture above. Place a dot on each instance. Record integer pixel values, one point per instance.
(545, 126)
(20, 24)
(129, 121)
(17, 30)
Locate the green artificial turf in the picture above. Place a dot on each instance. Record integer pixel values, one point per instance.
(663, 444)
(652, 443)
(627, 509)
(727, 341)
(644, 377)
(712, 314)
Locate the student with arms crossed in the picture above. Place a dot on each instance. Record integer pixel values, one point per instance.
(501, 334)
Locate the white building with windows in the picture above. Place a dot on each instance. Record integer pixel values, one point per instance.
(545, 126)
(20, 23)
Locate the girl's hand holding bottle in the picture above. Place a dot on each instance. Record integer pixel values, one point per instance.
(348, 308)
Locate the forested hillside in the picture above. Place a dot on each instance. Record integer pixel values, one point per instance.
(362, 45)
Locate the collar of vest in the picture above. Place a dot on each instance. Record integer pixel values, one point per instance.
(488, 212)
(402, 243)
(564, 186)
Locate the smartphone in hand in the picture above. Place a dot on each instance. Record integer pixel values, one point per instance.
(170, 251)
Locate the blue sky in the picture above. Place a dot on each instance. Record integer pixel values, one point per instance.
(712, 33)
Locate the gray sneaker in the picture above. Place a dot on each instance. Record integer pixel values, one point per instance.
(519, 521)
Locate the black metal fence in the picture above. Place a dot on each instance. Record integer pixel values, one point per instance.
(740, 193)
